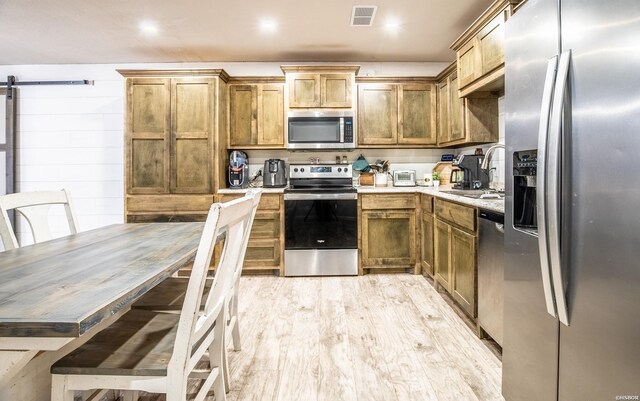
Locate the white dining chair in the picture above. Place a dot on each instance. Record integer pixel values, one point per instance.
(34, 206)
(168, 296)
(159, 352)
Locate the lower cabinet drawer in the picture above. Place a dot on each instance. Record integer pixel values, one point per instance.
(262, 253)
(458, 215)
(266, 224)
(388, 201)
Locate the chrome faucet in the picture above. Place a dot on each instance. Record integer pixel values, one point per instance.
(487, 156)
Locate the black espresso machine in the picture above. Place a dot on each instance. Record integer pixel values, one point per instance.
(238, 173)
(473, 176)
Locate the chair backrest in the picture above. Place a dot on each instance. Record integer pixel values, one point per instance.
(34, 206)
(195, 329)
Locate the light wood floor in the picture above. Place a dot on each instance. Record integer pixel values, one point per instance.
(368, 338)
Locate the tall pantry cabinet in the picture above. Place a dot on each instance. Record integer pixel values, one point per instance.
(175, 142)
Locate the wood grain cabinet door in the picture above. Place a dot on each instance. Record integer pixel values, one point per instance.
(463, 265)
(335, 90)
(262, 253)
(304, 90)
(148, 128)
(266, 224)
(468, 64)
(491, 44)
(427, 243)
(416, 112)
(191, 135)
(443, 112)
(377, 114)
(243, 113)
(456, 120)
(388, 238)
(270, 115)
(442, 262)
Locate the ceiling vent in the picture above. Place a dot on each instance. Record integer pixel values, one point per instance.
(363, 15)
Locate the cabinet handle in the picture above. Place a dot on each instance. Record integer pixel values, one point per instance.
(541, 192)
(553, 184)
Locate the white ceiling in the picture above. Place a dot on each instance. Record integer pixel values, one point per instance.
(107, 31)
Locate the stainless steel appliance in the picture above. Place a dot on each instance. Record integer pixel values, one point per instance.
(404, 178)
(238, 170)
(321, 221)
(320, 130)
(473, 176)
(491, 273)
(572, 315)
(274, 173)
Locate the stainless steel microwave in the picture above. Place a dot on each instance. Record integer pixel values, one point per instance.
(320, 130)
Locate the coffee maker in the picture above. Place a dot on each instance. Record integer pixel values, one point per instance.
(238, 169)
(274, 173)
(473, 176)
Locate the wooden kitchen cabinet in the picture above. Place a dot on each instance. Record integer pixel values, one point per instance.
(377, 114)
(265, 250)
(402, 115)
(426, 231)
(256, 115)
(480, 50)
(388, 232)
(464, 269)
(416, 114)
(173, 142)
(465, 121)
(455, 252)
(441, 247)
(320, 86)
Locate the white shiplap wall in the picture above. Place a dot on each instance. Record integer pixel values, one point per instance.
(72, 136)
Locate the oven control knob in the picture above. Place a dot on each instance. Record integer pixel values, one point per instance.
(339, 170)
(346, 169)
(295, 170)
(302, 170)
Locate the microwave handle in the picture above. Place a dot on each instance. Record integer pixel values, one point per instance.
(341, 129)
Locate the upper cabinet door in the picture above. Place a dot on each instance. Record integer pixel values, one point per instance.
(148, 127)
(335, 90)
(443, 112)
(491, 44)
(377, 114)
(243, 110)
(417, 114)
(304, 90)
(456, 123)
(468, 66)
(271, 115)
(191, 135)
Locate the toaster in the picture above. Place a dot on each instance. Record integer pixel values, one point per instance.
(404, 178)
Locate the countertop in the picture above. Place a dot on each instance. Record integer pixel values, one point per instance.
(244, 190)
(495, 205)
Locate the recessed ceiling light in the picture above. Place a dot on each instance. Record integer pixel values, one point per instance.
(148, 28)
(392, 25)
(268, 25)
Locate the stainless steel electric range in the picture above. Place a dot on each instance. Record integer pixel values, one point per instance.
(321, 221)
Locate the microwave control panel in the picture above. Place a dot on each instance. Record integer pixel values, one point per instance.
(348, 130)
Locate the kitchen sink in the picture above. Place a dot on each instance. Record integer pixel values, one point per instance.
(477, 193)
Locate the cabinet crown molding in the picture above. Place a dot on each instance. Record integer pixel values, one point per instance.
(396, 80)
(177, 73)
(494, 9)
(320, 68)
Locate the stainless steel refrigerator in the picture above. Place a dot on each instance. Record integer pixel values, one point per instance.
(572, 219)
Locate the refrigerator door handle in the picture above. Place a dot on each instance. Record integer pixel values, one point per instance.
(541, 192)
(553, 184)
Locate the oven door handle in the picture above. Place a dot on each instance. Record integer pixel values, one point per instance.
(343, 196)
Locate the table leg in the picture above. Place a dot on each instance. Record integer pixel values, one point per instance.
(11, 362)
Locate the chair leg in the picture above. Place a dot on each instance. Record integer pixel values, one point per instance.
(225, 369)
(217, 359)
(59, 390)
(235, 330)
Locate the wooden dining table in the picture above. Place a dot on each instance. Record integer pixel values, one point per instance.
(55, 295)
